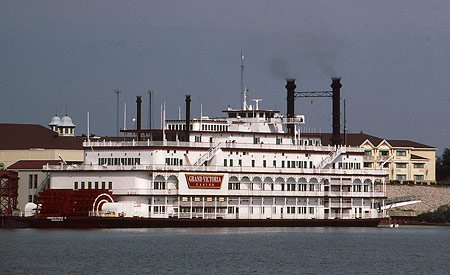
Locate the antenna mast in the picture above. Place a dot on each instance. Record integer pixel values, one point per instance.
(243, 89)
(117, 92)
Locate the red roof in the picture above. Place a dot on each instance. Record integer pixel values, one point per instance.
(32, 164)
(27, 136)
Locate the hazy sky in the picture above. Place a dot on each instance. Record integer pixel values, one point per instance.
(393, 57)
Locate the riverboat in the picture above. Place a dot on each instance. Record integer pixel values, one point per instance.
(252, 167)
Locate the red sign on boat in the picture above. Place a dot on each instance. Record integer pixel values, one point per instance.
(204, 181)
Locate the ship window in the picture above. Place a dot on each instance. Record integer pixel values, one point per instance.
(82, 185)
(282, 164)
(75, 185)
(225, 162)
(264, 163)
(231, 162)
(159, 209)
(253, 163)
(240, 162)
(103, 185)
(96, 185)
(110, 186)
(274, 163)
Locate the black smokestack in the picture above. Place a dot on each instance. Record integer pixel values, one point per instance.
(188, 116)
(290, 87)
(138, 106)
(336, 86)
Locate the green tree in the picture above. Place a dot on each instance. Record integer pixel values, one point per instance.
(443, 167)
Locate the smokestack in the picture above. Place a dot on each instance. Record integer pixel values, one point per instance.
(336, 86)
(138, 106)
(188, 116)
(290, 87)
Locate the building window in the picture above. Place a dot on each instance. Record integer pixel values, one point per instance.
(401, 153)
(418, 177)
(110, 187)
(225, 162)
(401, 177)
(253, 163)
(32, 181)
(264, 163)
(82, 185)
(256, 140)
(419, 165)
(240, 162)
(400, 165)
(75, 185)
(231, 162)
(367, 153)
(384, 153)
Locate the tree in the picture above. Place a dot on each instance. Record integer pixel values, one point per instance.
(443, 167)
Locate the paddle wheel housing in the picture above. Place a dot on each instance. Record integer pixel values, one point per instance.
(64, 202)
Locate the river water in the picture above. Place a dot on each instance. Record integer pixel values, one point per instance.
(418, 250)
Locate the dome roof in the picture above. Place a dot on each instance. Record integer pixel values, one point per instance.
(66, 121)
(56, 120)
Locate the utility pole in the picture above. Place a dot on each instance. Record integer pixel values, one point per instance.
(150, 109)
(117, 92)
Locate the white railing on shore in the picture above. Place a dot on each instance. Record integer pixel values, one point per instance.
(219, 169)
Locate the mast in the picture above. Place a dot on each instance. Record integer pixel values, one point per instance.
(243, 89)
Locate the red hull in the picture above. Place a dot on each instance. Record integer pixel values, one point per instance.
(112, 222)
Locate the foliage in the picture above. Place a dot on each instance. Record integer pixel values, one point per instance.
(440, 215)
(443, 167)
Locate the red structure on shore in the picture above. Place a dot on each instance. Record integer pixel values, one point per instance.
(9, 184)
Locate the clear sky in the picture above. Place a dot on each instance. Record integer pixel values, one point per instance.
(393, 57)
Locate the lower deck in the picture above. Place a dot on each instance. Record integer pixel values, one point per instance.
(223, 207)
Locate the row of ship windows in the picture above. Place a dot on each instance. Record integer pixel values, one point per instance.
(248, 201)
(178, 126)
(348, 165)
(92, 185)
(119, 161)
(161, 209)
(288, 163)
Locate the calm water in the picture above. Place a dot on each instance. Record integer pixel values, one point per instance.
(418, 250)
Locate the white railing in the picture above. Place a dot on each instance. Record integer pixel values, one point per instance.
(228, 144)
(217, 169)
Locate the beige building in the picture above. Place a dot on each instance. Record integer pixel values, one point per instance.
(406, 161)
(25, 148)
